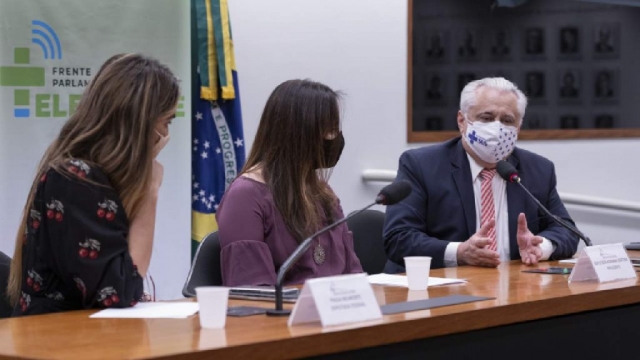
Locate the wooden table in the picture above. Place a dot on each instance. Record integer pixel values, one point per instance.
(521, 299)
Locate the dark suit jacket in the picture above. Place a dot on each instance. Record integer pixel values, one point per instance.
(441, 207)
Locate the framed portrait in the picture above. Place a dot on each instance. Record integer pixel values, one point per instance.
(429, 123)
(435, 89)
(535, 44)
(435, 46)
(606, 41)
(569, 86)
(569, 43)
(569, 121)
(534, 121)
(605, 86)
(604, 121)
(500, 42)
(469, 45)
(535, 87)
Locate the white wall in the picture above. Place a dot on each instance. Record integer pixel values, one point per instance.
(360, 47)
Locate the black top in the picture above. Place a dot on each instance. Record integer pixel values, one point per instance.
(5, 265)
(75, 251)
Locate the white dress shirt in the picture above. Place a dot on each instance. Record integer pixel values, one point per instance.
(499, 187)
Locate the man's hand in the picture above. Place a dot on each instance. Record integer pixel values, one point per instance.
(475, 252)
(528, 244)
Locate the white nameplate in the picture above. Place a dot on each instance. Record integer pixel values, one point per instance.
(603, 263)
(336, 300)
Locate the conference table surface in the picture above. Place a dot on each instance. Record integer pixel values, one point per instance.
(519, 297)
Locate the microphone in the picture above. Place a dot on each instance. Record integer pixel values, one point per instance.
(509, 173)
(389, 195)
(394, 193)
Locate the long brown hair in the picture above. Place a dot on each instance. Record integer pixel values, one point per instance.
(113, 129)
(288, 148)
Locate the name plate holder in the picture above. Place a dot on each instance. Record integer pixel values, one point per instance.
(336, 300)
(603, 263)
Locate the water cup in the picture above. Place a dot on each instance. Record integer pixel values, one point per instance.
(418, 268)
(213, 301)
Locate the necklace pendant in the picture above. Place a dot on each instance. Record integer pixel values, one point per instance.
(319, 254)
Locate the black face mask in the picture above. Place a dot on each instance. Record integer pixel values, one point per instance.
(332, 150)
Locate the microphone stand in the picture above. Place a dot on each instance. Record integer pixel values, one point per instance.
(295, 256)
(556, 218)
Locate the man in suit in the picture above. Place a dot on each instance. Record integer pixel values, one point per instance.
(460, 211)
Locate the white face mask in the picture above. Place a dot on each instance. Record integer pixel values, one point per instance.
(491, 141)
(160, 144)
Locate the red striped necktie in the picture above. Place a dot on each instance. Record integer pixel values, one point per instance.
(487, 207)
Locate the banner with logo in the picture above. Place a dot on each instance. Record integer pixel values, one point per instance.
(49, 52)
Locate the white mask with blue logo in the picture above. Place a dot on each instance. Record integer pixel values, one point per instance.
(491, 141)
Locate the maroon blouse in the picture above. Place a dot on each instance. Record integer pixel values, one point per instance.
(255, 241)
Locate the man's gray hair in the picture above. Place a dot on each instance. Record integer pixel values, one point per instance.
(469, 93)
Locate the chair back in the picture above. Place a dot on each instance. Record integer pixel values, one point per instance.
(368, 241)
(205, 269)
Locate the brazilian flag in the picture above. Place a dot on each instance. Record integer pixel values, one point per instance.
(217, 137)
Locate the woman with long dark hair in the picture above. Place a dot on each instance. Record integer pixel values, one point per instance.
(282, 195)
(87, 227)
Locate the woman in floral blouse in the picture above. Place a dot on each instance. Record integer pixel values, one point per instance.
(86, 235)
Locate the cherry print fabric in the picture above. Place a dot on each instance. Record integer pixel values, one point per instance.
(75, 250)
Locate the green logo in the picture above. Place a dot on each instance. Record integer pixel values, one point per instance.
(26, 79)
(21, 76)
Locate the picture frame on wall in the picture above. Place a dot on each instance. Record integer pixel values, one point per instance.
(606, 41)
(534, 121)
(501, 47)
(535, 46)
(435, 89)
(569, 121)
(436, 46)
(605, 86)
(434, 122)
(604, 121)
(469, 45)
(569, 86)
(569, 42)
(535, 86)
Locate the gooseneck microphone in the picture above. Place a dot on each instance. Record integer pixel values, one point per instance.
(509, 173)
(389, 195)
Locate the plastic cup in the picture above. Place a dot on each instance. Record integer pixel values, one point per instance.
(213, 301)
(418, 268)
